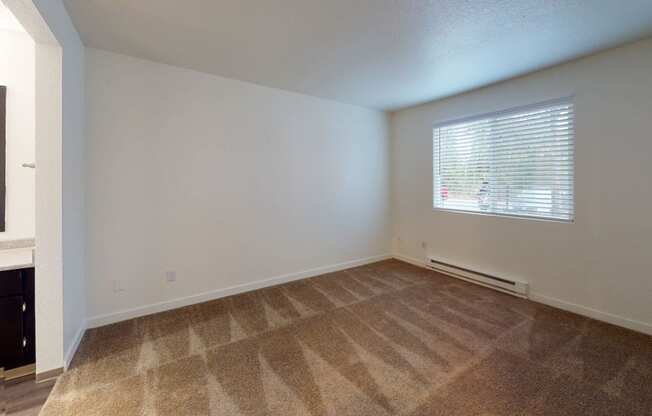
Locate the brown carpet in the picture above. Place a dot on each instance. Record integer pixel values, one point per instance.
(383, 339)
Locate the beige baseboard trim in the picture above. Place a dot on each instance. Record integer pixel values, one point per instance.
(123, 315)
(49, 375)
(14, 373)
(70, 354)
(610, 318)
(411, 260)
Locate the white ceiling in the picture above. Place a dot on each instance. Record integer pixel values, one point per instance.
(384, 54)
(8, 21)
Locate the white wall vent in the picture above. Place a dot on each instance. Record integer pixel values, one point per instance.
(512, 287)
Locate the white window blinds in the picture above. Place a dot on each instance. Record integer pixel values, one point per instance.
(517, 163)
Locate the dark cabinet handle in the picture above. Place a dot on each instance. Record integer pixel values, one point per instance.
(24, 342)
(24, 306)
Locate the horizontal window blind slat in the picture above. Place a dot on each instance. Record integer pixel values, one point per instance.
(518, 163)
(523, 213)
(512, 189)
(508, 144)
(507, 115)
(552, 158)
(557, 163)
(517, 138)
(505, 208)
(502, 198)
(500, 124)
(513, 205)
(458, 193)
(517, 141)
(507, 181)
(552, 124)
(498, 147)
(489, 172)
(563, 207)
(498, 189)
(451, 171)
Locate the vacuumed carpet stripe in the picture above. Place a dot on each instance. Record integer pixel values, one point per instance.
(384, 339)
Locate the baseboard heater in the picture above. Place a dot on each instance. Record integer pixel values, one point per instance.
(511, 287)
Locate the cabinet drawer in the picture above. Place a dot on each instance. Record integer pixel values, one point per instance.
(11, 283)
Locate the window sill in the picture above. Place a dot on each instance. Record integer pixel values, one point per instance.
(509, 216)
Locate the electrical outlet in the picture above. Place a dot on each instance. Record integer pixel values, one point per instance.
(424, 245)
(117, 286)
(171, 276)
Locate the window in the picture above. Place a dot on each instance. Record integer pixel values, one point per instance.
(516, 163)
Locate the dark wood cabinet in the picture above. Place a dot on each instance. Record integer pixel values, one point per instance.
(17, 319)
(11, 327)
(11, 283)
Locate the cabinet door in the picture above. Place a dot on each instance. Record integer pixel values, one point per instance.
(29, 329)
(11, 332)
(11, 283)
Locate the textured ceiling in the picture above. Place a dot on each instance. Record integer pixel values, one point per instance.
(384, 54)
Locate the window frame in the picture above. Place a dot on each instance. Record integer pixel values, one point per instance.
(507, 111)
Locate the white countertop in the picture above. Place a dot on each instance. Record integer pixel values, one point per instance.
(4, 268)
(18, 243)
(16, 254)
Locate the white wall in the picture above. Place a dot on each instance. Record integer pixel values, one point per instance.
(225, 182)
(49, 276)
(17, 73)
(48, 260)
(60, 175)
(600, 265)
(73, 171)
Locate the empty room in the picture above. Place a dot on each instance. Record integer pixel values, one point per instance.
(326, 207)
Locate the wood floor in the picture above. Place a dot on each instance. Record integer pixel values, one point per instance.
(25, 397)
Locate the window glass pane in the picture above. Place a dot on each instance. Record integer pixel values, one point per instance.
(517, 162)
